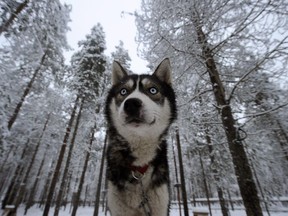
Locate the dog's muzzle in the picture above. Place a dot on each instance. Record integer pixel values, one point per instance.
(132, 108)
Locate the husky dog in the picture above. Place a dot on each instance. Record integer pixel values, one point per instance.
(139, 110)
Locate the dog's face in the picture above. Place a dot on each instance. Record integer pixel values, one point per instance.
(141, 105)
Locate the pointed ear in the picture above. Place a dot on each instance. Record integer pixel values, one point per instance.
(163, 72)
(118, 72)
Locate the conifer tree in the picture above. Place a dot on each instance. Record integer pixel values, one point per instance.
(121, 55)
(88, 66)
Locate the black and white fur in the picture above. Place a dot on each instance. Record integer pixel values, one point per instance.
(139, 110)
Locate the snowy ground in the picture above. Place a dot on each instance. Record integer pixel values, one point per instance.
(88, 211)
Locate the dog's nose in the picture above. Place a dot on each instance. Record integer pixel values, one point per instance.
(132, 106)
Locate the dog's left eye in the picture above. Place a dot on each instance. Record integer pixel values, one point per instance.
(153, 90)
(123, 91)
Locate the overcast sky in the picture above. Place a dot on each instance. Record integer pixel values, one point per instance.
(117, 26)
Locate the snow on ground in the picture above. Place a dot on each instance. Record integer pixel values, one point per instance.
(88, 211)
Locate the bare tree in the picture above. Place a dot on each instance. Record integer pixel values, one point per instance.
(209, 41)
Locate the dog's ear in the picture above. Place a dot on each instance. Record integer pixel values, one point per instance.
(163, 72)
(118, 72)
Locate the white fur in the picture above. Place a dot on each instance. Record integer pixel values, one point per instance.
(126, 202)
(143, 138)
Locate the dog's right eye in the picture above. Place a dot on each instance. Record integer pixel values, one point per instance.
(123, 91)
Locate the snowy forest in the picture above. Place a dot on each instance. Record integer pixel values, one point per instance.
(228, 148)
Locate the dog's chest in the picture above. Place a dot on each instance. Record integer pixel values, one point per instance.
(143, 152)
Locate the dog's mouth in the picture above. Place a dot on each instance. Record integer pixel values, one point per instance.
(131, 120)
(135, 121)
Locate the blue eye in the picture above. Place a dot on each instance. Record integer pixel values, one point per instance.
(153, 90)
(123, 91)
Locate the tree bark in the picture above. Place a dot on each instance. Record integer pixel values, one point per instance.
(45, 189)
(60, 160)
(223, 204)
(177, 181)
(30, 200)
(97, 198)
(82, 178)
(242, 168)
(25, 93)
(182, 178)
(13, 16)
(67, 165)
(27, 174)
(205, 182)
(11, 191)
(260, 187)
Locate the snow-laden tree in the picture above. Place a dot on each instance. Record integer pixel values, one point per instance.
(88, 64)
(37, 132)
(218, 46)
(122, 56)
(267, 132)
(10, 10)
(33, 38)
(32, 49)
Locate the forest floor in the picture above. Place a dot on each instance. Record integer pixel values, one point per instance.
(88, 211)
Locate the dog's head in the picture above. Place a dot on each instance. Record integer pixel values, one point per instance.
(141, 105)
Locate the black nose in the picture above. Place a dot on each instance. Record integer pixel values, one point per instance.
(132, 106)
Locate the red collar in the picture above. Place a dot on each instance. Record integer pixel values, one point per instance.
(139, 169)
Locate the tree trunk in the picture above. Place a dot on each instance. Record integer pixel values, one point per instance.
(25, 93)
(11, 191)
(30, 200)
(260, 187)
(3, 164)
(67, 165)
(205, 183)
(281, 136)
(45, 189)
(24, 181)
(85, 197)
(68, 189)
(82, 178)
(224, 207)
(182, 178)
(98, 190)
(230, 200)
(13, 16)
(243, 171)
(60, 160)
(177, 181)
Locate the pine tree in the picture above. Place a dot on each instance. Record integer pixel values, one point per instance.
(88, 64)
(122, 56)
(37, 39)
(60, 160)
(31, 60)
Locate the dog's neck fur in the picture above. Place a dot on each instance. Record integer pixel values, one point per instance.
(143, 150)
